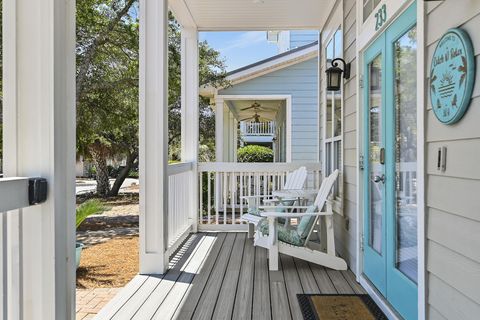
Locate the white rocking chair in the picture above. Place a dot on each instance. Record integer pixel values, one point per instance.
(295, 180)
(295, 240)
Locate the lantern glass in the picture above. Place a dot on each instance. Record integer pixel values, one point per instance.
(334, 76)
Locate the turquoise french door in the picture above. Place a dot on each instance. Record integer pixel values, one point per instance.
(390, 184)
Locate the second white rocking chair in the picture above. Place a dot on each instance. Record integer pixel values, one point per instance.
(295, 240)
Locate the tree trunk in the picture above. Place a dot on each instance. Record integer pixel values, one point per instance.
(100, 162)
(123, 174)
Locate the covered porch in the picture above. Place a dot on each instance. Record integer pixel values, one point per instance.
(223, 276)
(178, 266)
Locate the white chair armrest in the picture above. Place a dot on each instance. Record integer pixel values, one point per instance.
(293, 214)
(284, 207)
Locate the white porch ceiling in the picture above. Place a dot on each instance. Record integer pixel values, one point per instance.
(268, 108)
(242, 15)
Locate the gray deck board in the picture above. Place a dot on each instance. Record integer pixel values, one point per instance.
(294, 286)
(223, 276)
(244, 297)
(226, 298)
(199, 282)
(208, 300)
(261, 287)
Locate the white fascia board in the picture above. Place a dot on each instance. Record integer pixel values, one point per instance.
(264, 68)
(182, 13)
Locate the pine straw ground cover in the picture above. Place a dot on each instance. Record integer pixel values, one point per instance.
(111, 264)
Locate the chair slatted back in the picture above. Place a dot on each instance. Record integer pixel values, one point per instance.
(325, 190)
(296, 179)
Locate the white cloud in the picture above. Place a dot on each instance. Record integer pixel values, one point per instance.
(244, 40)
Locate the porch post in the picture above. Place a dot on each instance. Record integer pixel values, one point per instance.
(153, 137)
(39, 141)
(190, 114)
(219, 106)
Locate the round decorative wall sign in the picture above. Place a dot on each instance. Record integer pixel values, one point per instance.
(452, 76)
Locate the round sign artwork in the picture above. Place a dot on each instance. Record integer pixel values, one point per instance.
(452, 76)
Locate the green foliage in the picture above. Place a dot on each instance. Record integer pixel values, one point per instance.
(254, 153)
(107, 82)
(88, 208)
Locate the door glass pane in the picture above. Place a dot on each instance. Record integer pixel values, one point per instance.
(375, 144)
(405, 88)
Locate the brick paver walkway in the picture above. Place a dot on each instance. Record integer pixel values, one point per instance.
(91, 301)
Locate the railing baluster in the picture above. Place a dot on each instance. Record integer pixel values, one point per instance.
(225, 186)
(209, 202)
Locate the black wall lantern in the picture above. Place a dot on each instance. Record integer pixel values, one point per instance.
(334, 74)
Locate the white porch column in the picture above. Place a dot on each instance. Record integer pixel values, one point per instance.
(190, 105)
(153, 136)
(219, 122)
(39, 140)
(235, 139)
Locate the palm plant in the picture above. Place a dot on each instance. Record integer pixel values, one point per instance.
(86, 209)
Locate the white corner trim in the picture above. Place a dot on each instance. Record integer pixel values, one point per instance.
(421, 101)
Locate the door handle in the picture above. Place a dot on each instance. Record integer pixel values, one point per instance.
(377, 179)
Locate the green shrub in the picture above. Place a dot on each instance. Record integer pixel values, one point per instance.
(86, 209)
(254, 153)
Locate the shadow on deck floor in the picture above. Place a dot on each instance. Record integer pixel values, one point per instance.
(223, 276)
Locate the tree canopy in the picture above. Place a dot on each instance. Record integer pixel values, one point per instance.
(107, 86)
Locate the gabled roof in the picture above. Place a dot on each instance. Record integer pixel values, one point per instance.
(262, 67)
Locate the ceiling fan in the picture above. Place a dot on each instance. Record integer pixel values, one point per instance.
(256, 106)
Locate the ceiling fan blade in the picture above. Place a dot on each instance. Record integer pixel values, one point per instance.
(247, 118)
(247, 108)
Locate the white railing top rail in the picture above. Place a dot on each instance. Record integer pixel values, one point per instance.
(260, 167)
(177, 168)
(13, 193)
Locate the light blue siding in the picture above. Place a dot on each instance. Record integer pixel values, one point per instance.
(301, 82)
(302, 38)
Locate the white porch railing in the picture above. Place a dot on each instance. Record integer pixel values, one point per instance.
(14, 194)
(180, 203)
(222, 184)
(257, 128)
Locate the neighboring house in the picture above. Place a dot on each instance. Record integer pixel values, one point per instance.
(273, 102)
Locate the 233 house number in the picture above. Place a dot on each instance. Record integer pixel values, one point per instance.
(381, 17)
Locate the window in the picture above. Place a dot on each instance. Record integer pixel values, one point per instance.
(333, 114)
(368, 6)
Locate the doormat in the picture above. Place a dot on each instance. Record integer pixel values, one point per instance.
(339, 307)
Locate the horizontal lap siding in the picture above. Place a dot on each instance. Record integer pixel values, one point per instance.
(301, 82)
(302, 38)
(452, 197)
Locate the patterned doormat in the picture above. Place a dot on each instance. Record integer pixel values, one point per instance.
(339, 307)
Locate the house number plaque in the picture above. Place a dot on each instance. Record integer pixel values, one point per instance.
(452, 76)
(380, 17)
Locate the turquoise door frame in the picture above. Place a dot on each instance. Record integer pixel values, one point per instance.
(400, 291)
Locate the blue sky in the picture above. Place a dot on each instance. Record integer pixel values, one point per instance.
(240, 48)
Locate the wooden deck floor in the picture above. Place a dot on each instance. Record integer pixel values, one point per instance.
(223, 276)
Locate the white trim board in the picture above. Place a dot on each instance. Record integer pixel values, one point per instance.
(288, 107)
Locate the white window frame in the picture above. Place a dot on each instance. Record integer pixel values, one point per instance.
(332, 140)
